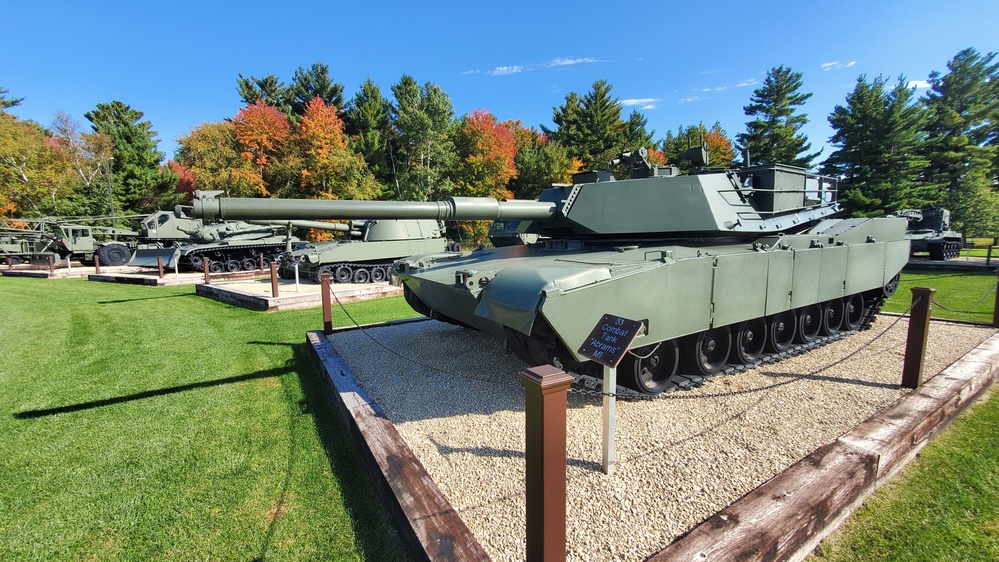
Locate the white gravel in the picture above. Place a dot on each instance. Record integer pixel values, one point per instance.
(454, 395)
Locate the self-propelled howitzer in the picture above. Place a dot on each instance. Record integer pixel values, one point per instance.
(720, 266)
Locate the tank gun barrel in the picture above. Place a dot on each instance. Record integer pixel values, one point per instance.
(455, 208)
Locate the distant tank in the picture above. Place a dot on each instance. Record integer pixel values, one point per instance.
(721, 267)
(367, 251)
(929, 233)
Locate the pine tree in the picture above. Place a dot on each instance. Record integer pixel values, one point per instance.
(269, 89)
(138, 181)
(423, 132)
(6, 102)
(961, 135)
(367, 123)
(878, 159)
(591, 128)
(308, 84)
(773, 137)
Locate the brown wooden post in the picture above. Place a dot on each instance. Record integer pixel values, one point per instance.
(51, 266)
(274, 280)
(261, 262)
(208, 276)
(324, 279)
(159, 265)
(917, 338)
(545, 406)
(97, 264)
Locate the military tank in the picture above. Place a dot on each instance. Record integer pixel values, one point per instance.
(929, 233)
(367, 251)
(722, 267)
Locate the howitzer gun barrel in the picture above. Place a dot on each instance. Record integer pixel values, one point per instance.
(455, 208)
(336, 227)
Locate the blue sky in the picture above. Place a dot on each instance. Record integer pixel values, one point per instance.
(677, 62)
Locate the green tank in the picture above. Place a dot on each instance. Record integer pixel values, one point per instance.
(929, 233)
(367, 251)
(722, 267)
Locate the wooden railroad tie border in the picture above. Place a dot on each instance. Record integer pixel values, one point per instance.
(430, 526)
(786, 517)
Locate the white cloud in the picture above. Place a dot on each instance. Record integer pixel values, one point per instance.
(750, 82)
(472, 72)
(650, 106)
(640, 101)
(691, 99)
(918, 84)
(570, 61)
(836, 65)
(503, 70)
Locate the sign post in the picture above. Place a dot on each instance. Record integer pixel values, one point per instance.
(607, 344)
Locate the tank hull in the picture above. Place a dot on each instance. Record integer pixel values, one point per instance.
(558, 292)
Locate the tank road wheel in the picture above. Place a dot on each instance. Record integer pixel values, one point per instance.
(267, 261)
(854, 312)
(361, 275)
(316, 275)
(232, 266)
(708, 351)
(378, 274)
(649, 369)
(809, 323)
(249, 264)
(216, 266)
(750, 339)
(114, 254)
(781, 330)
(342, 274)
(833, 313)
(891, 286)
(14, 260)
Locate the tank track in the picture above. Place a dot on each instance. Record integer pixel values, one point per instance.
(345, 272)
(944, 250)
(194, 259)
(588, 384)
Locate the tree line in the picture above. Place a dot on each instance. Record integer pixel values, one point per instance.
(891, 150)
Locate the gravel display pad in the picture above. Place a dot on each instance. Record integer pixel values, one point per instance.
(454, 395)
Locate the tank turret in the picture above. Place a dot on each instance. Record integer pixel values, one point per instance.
(720, 266)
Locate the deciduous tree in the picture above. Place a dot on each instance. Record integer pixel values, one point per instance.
(486, 150)
(331, 170)
(210, 154)
(262, 134)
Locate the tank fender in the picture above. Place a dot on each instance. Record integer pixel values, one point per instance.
(514, 295)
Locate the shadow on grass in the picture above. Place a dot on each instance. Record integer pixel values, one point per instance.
(146, 299)
(375, 534)
(30, 414)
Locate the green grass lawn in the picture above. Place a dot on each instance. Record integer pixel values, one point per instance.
(145, 423)
(956, 291)
(942, 507)
(148, 423)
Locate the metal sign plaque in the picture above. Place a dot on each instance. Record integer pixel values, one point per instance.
(610, 339)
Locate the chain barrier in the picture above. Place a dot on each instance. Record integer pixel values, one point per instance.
(410, 359)
(592, 384)
(972, 307)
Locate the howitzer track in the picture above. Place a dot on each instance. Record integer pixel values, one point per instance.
(344, 272)
(230, 258)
